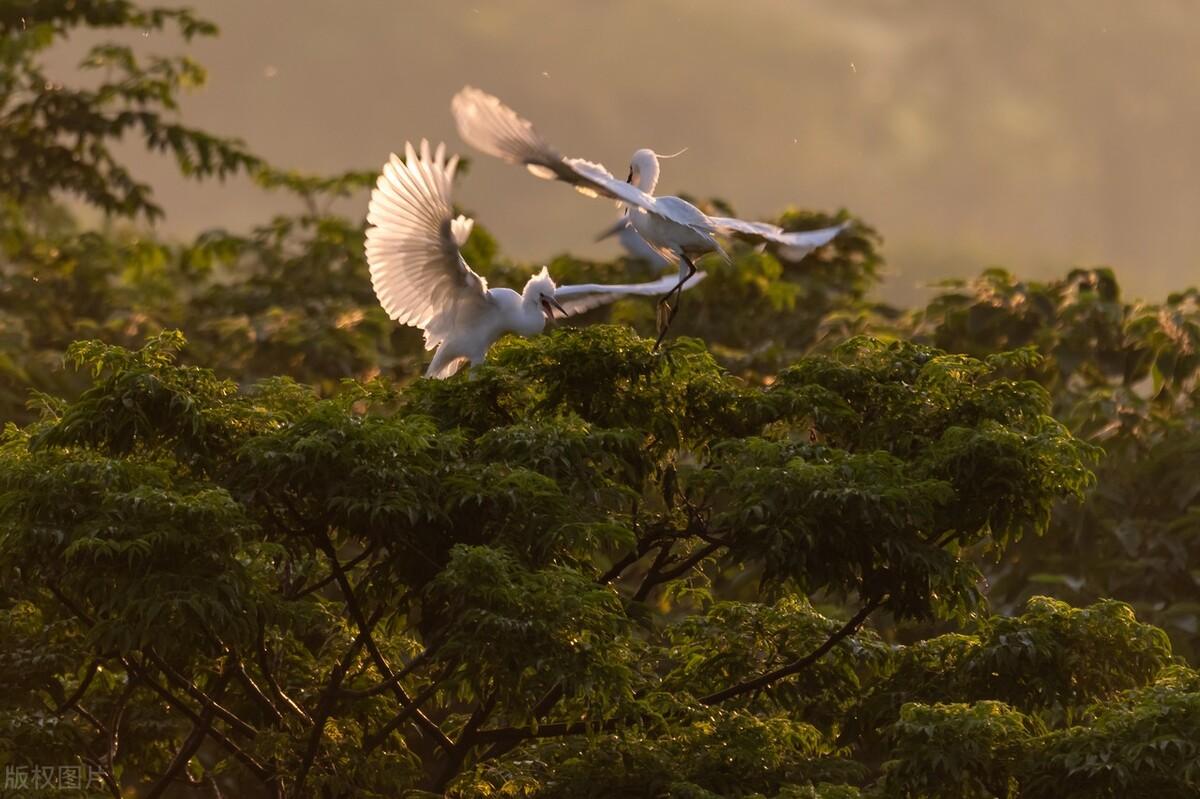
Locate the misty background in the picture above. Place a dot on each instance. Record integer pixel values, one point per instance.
(1033, 136)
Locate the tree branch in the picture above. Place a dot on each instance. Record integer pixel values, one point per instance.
(557, 730)
(621, 565)
(507, 738)
(466, 741)
(394, 723)
(263, 774)
(331, 577)
(649, 581)
(798, 665)
(264, 663)
(552, 697)
(423, 722)
(78, 693)
(190, 744)
(325, 703)
(235, 723)
(394, 679)
(687, 565)
(239, 671)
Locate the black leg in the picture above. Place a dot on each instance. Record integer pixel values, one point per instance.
(678, 292)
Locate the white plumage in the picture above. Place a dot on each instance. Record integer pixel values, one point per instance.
(421, 279)
(635, 246)
(672, 226)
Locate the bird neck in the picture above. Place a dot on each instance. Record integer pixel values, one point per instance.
(648, 175)
(531, 319)
(644, 166)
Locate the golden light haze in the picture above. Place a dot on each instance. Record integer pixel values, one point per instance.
(1032, 135)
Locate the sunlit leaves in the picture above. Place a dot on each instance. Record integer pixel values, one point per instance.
(956, 750)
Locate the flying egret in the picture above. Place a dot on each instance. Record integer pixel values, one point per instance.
(673, 226)
(421, 279)
(634, 245)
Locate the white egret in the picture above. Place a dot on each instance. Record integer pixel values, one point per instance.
(421, 278)
(673, 226)
(634, 245)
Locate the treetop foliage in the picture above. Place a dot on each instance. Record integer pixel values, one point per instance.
(816, 546)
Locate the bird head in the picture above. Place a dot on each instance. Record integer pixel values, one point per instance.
(643, 168)
(540, 289)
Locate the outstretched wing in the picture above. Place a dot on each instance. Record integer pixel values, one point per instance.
(586, 296)
(417, 271)
(490, 126)
(797, 243)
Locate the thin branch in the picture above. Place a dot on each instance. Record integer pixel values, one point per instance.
(325, 703)
(237, 724)
(798, 665)
(394, 723)
(423, 722)
(239, 671)
(552, 697)
(106, 777)
(114, 728)
(243, 677)
(556, 730)
(466, 741)
(263, 774)
(689, 563)
(329, 578)
(543, 707)
(649, 581)
(190, 744)
(78, 693)
(620, 566)
(264, 662)
(87, 714)
(387, 684)
(507, 738)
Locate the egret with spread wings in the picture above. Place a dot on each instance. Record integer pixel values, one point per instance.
(673, 226)
(421, 279)
(635, 247)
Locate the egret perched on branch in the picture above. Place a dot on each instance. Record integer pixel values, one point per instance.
(421, 279)
(673, 226)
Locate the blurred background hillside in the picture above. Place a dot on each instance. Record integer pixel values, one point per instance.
(1034, 136)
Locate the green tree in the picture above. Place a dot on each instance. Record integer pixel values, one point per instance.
(1124, 375)
(387, 588)
(796, 562)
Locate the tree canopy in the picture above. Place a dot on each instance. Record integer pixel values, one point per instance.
(817, 546)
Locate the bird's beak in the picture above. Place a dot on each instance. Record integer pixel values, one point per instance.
(630, 178)
(549, 305)
(611, 231)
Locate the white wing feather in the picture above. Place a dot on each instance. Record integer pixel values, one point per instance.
(417, 271)
(586, 296)
(806, 240)
(490, 126)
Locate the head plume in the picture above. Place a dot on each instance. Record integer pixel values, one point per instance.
(672, 155)
(541, 284)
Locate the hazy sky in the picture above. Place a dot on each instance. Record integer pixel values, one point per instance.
(1032, 135)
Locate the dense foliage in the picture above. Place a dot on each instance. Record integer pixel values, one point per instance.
(822, 548)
